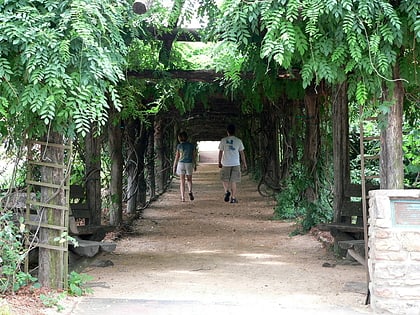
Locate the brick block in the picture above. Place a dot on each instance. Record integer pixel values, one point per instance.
(392, 255)
(410, 241)
(387, 245)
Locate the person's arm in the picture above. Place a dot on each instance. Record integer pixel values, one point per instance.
(220, 158)
(176, 160)
(242, 153)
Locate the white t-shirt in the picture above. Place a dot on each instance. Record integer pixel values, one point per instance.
(231, 146)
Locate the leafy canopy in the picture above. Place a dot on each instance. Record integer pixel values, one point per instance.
(60, 62)
(356, 40)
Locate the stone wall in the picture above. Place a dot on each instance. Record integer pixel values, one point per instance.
(394, 251)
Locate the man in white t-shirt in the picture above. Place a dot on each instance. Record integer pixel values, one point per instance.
(231, 152)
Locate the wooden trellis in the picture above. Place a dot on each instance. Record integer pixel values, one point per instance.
(47, 205)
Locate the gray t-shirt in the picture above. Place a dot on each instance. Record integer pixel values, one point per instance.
(186, 150)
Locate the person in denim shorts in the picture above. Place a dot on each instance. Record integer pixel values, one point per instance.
(185, 163)
(231, 153)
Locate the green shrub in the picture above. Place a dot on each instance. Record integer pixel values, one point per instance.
(292, 203)
(53, 299)
(77, 282)
(12, 254)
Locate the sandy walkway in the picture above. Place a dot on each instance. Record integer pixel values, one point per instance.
(184, 258)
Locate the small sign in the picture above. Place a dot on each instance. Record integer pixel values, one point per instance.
(406, 213)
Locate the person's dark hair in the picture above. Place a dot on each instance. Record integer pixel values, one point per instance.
(182, 136)
(231, 129)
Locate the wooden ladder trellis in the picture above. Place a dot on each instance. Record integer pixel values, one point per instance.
(47, 204)
(373, 136)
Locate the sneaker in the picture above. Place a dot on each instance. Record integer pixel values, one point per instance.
(233, 200)
(227, 195)
(191, 196)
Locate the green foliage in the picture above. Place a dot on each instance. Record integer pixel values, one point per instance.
(292, 203)
(359, 41)
(143, 55)
(77, 282)
(76, 287)
(60, 62)
(12, 254)
(77, 175)
(228, 60)
(65, 237)
(192, 56)
(53, 299)
(411, 147)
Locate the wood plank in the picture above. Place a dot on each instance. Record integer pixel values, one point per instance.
(357, 256)
(47, 226)
(42, 184)
(351, 244)
(50, 144)
(352, 228)
(47, 205)
(47, 164)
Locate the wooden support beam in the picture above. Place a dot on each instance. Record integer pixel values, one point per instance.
(199, 75)
(189, 75)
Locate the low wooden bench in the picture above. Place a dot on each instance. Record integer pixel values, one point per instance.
(355, 249)
(340, 227)
(81, 216)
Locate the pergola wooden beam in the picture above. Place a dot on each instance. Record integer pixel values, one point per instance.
(189, 75)
(198, 75)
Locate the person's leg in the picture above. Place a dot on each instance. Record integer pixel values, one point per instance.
(226, 186)
(233, 190)
(189, 182)
(188, 175)
(182, 186)
(227, 191)
(189, 186)
(234, 178)
(224, 177)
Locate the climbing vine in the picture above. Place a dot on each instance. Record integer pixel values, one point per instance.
(60, 63)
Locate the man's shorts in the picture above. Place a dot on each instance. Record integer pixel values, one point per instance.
(230, 174)
(184, 168)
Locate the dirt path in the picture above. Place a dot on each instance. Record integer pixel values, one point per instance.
(208, 255)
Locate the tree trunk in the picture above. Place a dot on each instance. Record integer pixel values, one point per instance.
(392, 167)
(52, 267)
(159, 155)
(340, 147)
(141, 181)
(132, 165)
(287, 133)
(115, 150)
(151, 163)
(136, 185)
(312, 140)
(93, 177)
(269, 123)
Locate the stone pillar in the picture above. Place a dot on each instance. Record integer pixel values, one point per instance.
(394, 251)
